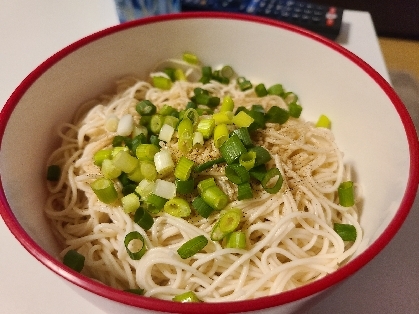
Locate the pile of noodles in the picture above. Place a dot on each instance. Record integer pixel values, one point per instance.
(290, 237)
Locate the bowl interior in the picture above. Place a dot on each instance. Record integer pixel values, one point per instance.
(368, 119)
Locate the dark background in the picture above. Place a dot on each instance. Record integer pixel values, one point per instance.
(392, 18)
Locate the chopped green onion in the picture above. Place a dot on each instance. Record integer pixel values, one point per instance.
(258, 172)
(145, 108)
(170, 72)
(244, 136)
(242, 119)
(205, 184)
(164, 162)
(155, 203)
(272, 181)
(260, 90)
(143, 218)
(190, 58)
(166, 133)
(74, 260)
(171, 120)
(162, 82)
(247, 160)
(124, 161)
(227, 104)
(198, 139)
(140, 138)
(295, 109)
(125, 125)
(130, 203)
(135, 291)
(184, 168)
(186, 297)
(148, 170)
(184, 187)
(192, 246)
(262, 155)
(104, 190)
(154, 139)
(345, 231)
(323, 122)
(128, 189)
(135, 245)
(237, 174)
(180, 75)
(185, 134)
(177, 207)
(117, 141)
(101, 155)
(290, 97)
(259, 120)
(109, 170)
(146, 151)
(111, 123)
(276, 114)
(192, 115)
(258, 108)
(244, 84)
(136, 175)
(346, 194)
(165, 189)
(276, 89)
(227, 71)
(201, 207)
(145, 188)
(145, 121)
(223, 117)
(215, 197)
(232, 148)
(156, 123)
(53, 173)
(236, 240)
(208, 164)
(244, 191)
(124, 180)
(220, 135)
(167, 110)
(227, 223)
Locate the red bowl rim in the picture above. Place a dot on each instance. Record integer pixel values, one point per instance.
(236, 306)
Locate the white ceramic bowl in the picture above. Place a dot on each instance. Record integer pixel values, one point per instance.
(371, 126)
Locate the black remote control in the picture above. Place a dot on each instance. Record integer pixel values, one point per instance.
(321, 19)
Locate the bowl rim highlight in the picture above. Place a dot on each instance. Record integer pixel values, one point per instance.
(237, 306)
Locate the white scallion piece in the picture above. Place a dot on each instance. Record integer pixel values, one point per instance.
(111, 123)
(164, 162)
(165, 189)
(125, 125)
(145, 187)
(166, 133)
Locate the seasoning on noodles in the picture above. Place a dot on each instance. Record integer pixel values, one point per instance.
(199, 185)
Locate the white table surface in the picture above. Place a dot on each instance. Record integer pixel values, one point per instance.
(31, 31)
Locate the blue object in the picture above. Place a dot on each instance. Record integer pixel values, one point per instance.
(134, 9)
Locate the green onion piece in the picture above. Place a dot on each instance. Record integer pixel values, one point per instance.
(261, 90)
(145, 108)
(170, 72)
(148, 170)
(177, 207)
(258, 108)
(180, 75)
(323, 122)
(101, 155)
(154, 139)
(192, 246)
(227, 104)
(227, 71)
(145, 120)
(223, 117)
(198, 139)
(162, 82)
(117, 141)
(262, 155)
(276, 89)
(143, 218)
(156, 123)
(139, 139)
(247, 160)
(242, 119)
(164, 162)
(236, 240)
(190, 58)
(244, 136)
(220, 135)
(109, 170)
(244, 191)
(259, 120)
(116, 150)
(276, 114)
(185, 187)
(167, 110)
(345, 231)
(258, 172)
(135, 245)
(204, 110)
(213, 102)
(215, 197)
(201, 207)
(171, 120)
(136, 175)
(227, 223)
(165, 189)
(290, 97)
(166, 133)
(145, 188)
(244, 84)
(185, 134)
(124, 161)
(186, 297)
(124, 180)
(128, 189)
(130, 203)
(202, 98)
(272, 181)
(74, 260)
(53, 173)
(146, 151)
(232, 149)
(191, 104)
(295, 110)
(154, 203)
(205, 184)
(184, 168)
(192, 115)
(104, 190)
(346, 194)
(135, 291)
(208, 164)
(206, 74)
(237, 173)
